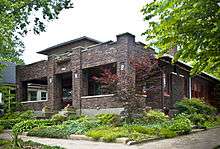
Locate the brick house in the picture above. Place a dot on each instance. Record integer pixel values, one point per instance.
(70, 66)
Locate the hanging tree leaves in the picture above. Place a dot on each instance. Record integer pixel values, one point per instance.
(19, 17)
(193, 26)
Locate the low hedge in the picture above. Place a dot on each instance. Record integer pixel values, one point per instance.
(57, 131)
(29, 124)
(9, 123)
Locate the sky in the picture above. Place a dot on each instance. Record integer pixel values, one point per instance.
(98, 19)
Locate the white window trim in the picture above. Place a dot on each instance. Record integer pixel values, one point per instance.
(38, 96)
(97, 96)
(34, 101)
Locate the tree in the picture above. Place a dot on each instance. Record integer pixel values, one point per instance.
(147, 82)
(22, 16)
(192, 26)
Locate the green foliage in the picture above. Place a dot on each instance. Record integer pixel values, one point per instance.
(19, 17)
(167, 133)
(194, 105)
(27, 145)
(29, 114)
(155, 116)
(3, 142)
(29, 124)
(9, 123)
(109, 119)
(81, 125)
(72, 117)
(191, 26)
(142, 129)
(10, 116)
(138, 136)
(57, 131)
(58, 118)
(10, 103)
(1, 129)
(107, 134)
(181, 124)
(38, 145)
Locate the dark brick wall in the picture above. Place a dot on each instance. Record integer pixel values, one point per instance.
(82, 56)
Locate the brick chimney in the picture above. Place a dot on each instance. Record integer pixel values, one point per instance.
(126, 38)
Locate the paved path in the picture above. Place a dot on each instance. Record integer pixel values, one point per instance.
(201, 140)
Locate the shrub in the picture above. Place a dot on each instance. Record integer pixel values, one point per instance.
(72, 117)
(167, 133)
(155, 116)
(108, 134)
(191, 106)
(57, 131)
(29, 114)
(81, 125)
(14, 115)
(197, 119)
(109, 119)
(9, 123)
(138, 136)
(181, 124)
(142, 129)
(29, 124)
(58, 118)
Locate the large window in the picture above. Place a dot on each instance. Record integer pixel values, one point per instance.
(92, 84)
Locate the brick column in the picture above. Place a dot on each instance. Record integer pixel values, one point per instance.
(126, 74)
(54, 86)
(76, 78)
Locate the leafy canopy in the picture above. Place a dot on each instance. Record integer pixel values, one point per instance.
(193, 26)
(21, 16)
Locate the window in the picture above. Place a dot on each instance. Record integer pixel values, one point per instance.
(33, 95)
(43, 95)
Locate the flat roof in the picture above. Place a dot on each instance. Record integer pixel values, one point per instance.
(45, 51)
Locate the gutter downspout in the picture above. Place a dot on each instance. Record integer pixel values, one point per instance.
(190, 88)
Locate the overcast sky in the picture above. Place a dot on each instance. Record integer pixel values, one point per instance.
(99, 19)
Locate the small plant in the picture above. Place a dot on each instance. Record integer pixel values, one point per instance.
(81, 125)
(155, 116)
(58, 118)
(167, 133)
(181, 124)
(25, 126)
(29, 114)
(108, 134)
(109, 119)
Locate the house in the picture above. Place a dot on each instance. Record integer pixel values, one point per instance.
(8, 84)
(70, 66)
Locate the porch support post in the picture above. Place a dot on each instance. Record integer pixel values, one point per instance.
(54, 86)
(54, 92)
(76, 78)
